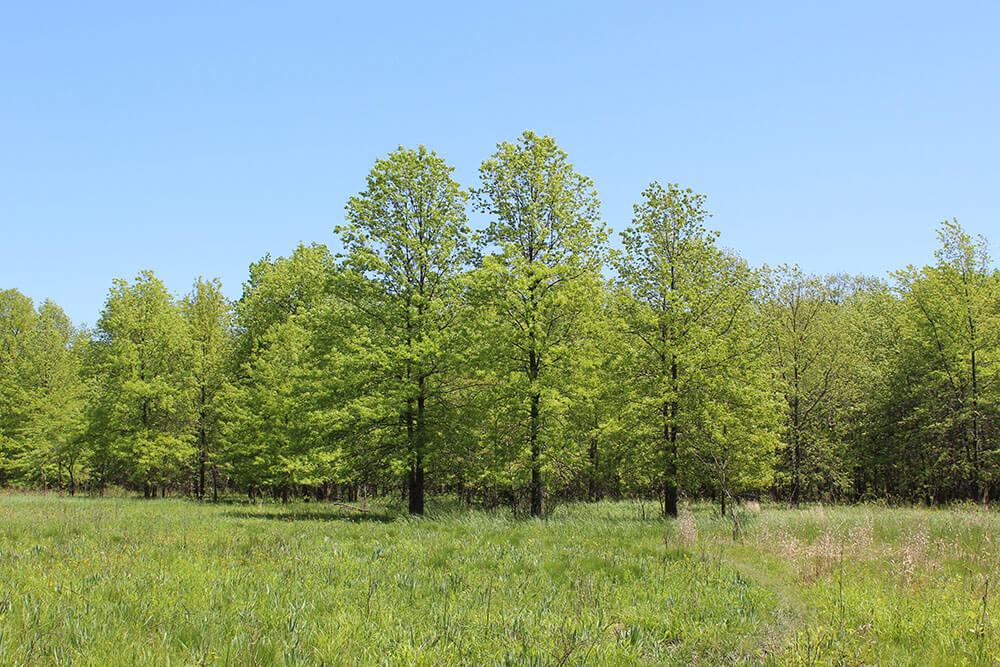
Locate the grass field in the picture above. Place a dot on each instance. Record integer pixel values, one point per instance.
(120, 581)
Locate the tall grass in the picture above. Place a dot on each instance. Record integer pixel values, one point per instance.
(119, 581)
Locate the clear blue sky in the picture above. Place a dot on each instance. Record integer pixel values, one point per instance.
(193, 137)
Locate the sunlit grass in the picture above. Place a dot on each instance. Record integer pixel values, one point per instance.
(118, 581)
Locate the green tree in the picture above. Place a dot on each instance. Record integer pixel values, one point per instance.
(141, 416)
(41, 393)
(540, 282)
(267, 417)
(737, 420)
(685, 305)
(54, 443)
(17, 322)
(265, 412)
(407, 242)
(209, 318)
(950, 337)
(811, 340)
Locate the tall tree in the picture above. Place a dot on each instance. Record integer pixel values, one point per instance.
(682, 302)
(266, 415)
(540, 279)
(141, 412)
(594, 398)
(209, 318)
(407, 242)
(266, 429)
(17, 323)
(811, 342)
(53, 440)
(737, 419)
(41, 393)
(950, 337)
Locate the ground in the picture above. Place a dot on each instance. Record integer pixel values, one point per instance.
(124, 581)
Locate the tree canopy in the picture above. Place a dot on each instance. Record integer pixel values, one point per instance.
(521, 363)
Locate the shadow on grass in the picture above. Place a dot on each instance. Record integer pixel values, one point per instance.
(314, 515)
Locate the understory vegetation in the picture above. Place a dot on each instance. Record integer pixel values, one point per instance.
(523, 363)
(122, 581)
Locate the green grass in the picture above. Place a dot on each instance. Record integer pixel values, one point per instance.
(120, 581)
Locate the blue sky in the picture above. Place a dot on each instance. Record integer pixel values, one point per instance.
(191, 138)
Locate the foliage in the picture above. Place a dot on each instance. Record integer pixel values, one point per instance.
(141, 408)
(407, 243)
(536, 290)
(523, 364)
(42, 394)
(699, 393)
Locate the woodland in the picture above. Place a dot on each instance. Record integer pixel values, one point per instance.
(529, 362)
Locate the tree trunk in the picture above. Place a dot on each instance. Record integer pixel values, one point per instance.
(416, 494)
(796, 435)
(203, 454)
(670, 449)
(670, 499)
(976, 439)
(592, 490)
(536, 470)
(417, 440)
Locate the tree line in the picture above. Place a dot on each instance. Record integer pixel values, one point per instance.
(522, 363)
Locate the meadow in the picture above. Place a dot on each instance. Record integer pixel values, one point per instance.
(122, 581)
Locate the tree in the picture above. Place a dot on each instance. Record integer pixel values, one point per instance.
(593, 390)
(267, 417)
(407, 242)
(950, 336)
(682, 303)
(17, 322)
(41, 393)
(141, 416)
(539, 282)
(54, 443)
(265, 414)
(737, 421)
(209, 318)
(810, 338)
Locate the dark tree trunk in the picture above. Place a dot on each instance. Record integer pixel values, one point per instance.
(670, 500)
(203, 454)
(593, 491)
(796, 435)
(670, 450)
(416, 504)
(417, 432)
(536, 470)
(976, 440)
